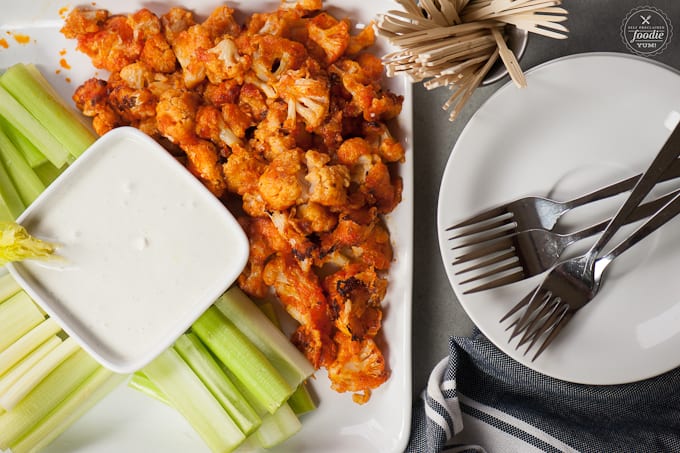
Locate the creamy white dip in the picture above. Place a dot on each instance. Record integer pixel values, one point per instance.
(146, 249)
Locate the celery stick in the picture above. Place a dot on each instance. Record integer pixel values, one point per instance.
(48, 110)
(277, 427)
(196, 355)
(301, 401)
(32, 154)
(25, 180)
(24, 122)
(243, 358)
(89, 393)
(190, 397)
(263, 333)
(19, 421)
(8, 286)
(38, 373)
(27, 343)
(48, 172)
(18, 315)
(140, 382)
(13, 375)
(11, 205)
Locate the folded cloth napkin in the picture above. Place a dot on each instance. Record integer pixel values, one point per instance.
(481, 400)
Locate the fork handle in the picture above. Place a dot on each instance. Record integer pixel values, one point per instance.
(664, 215)
(641, 212)
(665, 157)
(619, 187)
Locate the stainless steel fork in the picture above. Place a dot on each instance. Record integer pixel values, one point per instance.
(573, 283)
(530, 213)
(511, 258)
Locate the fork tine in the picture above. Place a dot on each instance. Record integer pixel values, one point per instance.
(495, 258)
(522, 303)
(495, 271)
(505, 280)
(543, 317)
(557, 327)
(495, 234)
(482, 216)
(483, 250)
(540, 298)
(481, 227)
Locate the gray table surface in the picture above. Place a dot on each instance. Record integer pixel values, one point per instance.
(594, 26)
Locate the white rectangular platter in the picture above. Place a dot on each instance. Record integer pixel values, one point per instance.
(131, 422)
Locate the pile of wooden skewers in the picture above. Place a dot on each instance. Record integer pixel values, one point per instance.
(454, 43)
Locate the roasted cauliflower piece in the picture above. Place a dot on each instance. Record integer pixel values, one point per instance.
(305, 96)
(328, 183)
(330, 35)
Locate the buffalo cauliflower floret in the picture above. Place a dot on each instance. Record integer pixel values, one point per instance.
(359, 367)
(313, 217)
(370, 174)
(158, 54)
(211, 124)
(112, 46)
(175, 21)
(243, 170)
(328, 183)
(224, 62)
(282, 183)
(137, 75)
(308, 5)
(82, 21)
(307, 97)
(365, 38)
(189, 45)
(221, 22)
(203, 161)
(274, 55)
(332, 37)
(175, 113)
(144, 24)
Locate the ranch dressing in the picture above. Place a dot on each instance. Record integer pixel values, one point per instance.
(146, 249)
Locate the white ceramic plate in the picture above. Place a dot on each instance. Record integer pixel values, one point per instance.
(584, 121)
(128, 421)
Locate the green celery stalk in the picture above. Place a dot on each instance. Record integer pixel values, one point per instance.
(11, 205)
(18, 315)
(8, 286)
(27, 343)
(301, 401)
(190, 397)
(38, 373)
(25, 86)
(236, 306)
(32, 154)
(25, 180)
(13, 375)
(15, 114)
(243, 358)
(48, 172)
(44, 398)
(89, 393)
(140, 382)
(197, 356)
(277, 427)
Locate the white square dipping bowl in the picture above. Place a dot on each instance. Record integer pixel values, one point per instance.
(144, 250)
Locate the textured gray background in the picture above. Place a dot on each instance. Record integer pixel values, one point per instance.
(594, 26)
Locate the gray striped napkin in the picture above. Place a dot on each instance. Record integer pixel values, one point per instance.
(480, 400)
